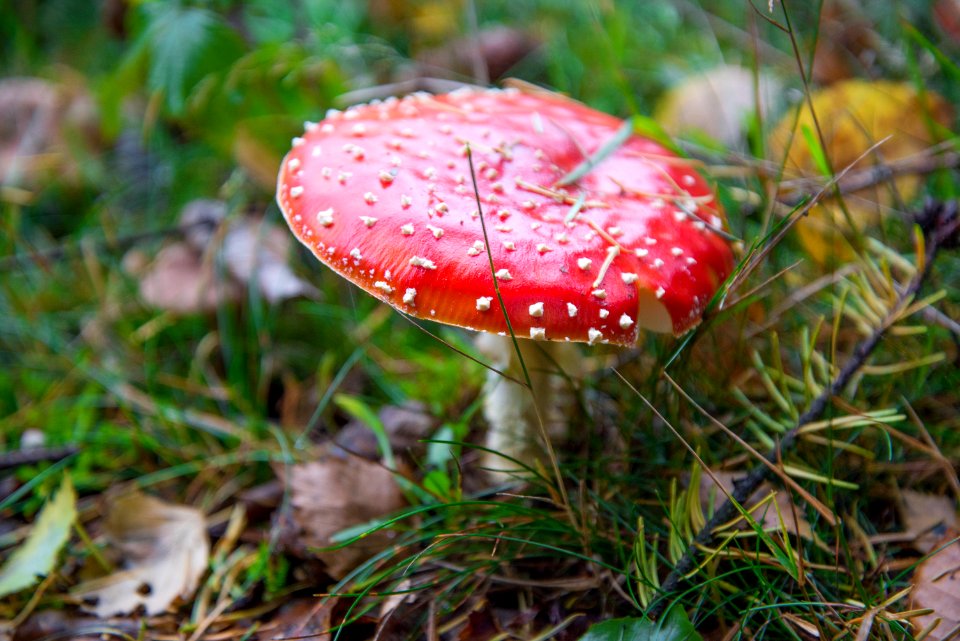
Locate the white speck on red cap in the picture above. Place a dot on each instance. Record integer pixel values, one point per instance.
(483, 303)
(409, 296)
(538, 333)
(504, 274)
(325, 217)
(536, 310)
(426, 263)
(383, 286)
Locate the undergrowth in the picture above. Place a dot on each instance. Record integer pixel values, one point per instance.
(205, 408)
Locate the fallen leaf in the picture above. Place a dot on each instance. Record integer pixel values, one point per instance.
(926, 517)
(184, 277)
(179, 280)
(256, 251)
(301, 619)
(165, 549)
(768, 516)
(717, 104)
(854, 115)
(937, 586)
(334, 494)
(37, 556)
(41, 119)
(406, 427)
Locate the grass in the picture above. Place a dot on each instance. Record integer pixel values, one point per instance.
(206, 408)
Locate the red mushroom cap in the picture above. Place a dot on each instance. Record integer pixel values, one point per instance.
(382, 194)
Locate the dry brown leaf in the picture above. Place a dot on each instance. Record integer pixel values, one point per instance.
(717, 103)
(39, 117)
(853, 116)
(165, 550)
(179, 280)
(252, 249)
(304, 618)
(768, 516)
(336, 493)
(926, 516)
(937, 586)
(184, 278)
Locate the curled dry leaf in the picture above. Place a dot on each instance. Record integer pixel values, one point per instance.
(165, 550)
(936, 585)
(853, 116)
(768, 516)
(334, 494)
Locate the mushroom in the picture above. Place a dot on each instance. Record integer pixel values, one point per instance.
(592, 233)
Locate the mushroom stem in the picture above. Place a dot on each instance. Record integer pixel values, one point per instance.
(514, 412)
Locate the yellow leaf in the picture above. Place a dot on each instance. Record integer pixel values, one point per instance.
(853, 116)
(38, 554)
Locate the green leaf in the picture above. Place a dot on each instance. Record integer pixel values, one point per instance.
(817, 152)
(673, 626)
(38, 554)
(359, 410)
(186, 44)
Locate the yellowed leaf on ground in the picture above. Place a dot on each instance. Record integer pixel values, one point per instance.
(853, 116)
(769, 515)
(165, 551)
(937, 586)
(336, 493)
(37, 555)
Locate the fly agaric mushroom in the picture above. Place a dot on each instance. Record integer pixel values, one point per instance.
(593, 233)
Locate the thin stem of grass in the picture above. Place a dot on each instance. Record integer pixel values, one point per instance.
(941, 231)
